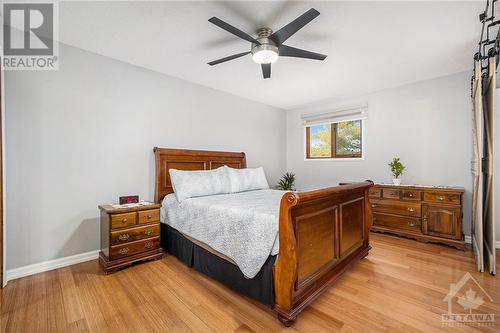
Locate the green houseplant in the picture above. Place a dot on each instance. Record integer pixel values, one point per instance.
(397, 169)
(287, 182)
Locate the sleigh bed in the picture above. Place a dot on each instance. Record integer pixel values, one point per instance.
(322, 234)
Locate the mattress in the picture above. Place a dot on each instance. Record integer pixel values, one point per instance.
(243, 227)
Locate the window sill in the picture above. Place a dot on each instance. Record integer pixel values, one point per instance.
(351, 159)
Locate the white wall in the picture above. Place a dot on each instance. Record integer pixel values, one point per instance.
(84, 135)
(427, 124)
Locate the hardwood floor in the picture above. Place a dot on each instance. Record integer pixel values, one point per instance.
(399, 287)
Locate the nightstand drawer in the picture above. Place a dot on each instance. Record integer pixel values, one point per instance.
(134, 234)
(123, 220)
(441, 197)
(149, 216)
(128, 249)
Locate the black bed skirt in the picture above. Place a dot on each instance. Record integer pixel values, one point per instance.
(261, 287)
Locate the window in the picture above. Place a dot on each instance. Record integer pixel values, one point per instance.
(336, 140)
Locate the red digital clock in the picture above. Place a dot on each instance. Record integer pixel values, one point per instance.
(129, 199)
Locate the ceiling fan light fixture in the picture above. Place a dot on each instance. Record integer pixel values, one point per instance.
(265, 54)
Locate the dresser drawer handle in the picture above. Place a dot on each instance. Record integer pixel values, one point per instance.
(149, 216)
(148, 245)
(411, 224)
(410, 195)
(411, 209)
(124, 221)
(123, 251)
(440, 198)
(374, 206)
(149, 232)
(124, 237)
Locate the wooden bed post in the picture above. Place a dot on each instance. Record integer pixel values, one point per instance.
(322, 233)
(285, 275)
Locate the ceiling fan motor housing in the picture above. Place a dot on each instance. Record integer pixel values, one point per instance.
(266, 44)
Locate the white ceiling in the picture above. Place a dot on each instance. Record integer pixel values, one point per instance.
(370, 45)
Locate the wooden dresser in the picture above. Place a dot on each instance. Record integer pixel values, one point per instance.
(129, 235)
(429, 214)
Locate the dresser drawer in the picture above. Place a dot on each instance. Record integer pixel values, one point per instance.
(123, 220)
(375, 193)
(407, 224)
(411, 195)
(397, 207)
(391, 193)
(149, 216)
(134, 234)
(442, 197)
(128, 249)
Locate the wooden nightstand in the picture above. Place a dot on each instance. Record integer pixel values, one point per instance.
(129, 235)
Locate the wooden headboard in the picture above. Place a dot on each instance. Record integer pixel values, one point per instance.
(182, 159)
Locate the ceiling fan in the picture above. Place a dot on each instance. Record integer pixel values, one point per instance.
(268, 46)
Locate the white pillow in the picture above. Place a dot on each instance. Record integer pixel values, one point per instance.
(247, 179)
(189, 184)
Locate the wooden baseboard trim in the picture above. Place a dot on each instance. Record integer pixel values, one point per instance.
(48, 265)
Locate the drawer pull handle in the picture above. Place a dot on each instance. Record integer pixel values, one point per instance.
(411, 224)
(148, 245)
(441, 198)
(123, 251)
(411, 210)
(149, 232)
(410, 195)
(149, 216)
(124, 237)
(374, 206)
(124, 221)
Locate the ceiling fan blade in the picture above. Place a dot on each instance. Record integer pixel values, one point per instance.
(266, 70)
(231, 57)
(288, 51)
(235, 31)
(288, 30)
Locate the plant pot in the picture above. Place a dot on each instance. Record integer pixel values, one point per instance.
(396, 181)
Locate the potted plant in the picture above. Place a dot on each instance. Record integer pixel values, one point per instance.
(287, 182)
(397, 169)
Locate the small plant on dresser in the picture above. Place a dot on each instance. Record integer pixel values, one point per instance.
(397, 169)
(129, 235)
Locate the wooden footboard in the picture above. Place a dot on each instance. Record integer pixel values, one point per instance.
(322, 233)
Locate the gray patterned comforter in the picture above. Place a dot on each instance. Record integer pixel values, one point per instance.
(243, 226)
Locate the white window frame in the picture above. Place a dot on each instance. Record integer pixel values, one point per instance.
(345, 114)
